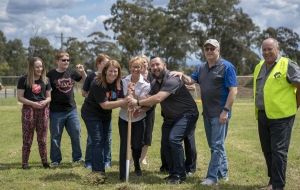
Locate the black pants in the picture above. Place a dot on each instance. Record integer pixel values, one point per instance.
(190, 154)
(137, 132)
(149, 120)
(275, 135)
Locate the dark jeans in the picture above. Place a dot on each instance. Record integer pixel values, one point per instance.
(137, 131)
(275, 135)
(107, 150)
(98, 130)
(171, 144)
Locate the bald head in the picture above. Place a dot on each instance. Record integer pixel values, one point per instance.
(270, 50)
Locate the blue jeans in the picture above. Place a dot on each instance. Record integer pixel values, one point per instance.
(107, 149)
(172, 137)
(98, 130)
(69, 120)
(216, 135)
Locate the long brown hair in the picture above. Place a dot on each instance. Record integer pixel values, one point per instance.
(30, 71)
(101, 79)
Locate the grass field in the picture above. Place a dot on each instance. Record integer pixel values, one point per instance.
(247, 168)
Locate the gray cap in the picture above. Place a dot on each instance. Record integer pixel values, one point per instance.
(212, 42)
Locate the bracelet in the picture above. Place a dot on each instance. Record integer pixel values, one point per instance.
(138, 102)
(226, 109)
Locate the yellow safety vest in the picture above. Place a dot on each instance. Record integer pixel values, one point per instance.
(279, 95)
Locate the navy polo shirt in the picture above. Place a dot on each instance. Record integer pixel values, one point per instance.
(214, 83)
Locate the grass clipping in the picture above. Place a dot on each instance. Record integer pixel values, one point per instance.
(95, 178)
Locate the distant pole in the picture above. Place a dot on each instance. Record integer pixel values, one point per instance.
(61, 41)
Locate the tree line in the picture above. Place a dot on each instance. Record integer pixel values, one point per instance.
(175, 32)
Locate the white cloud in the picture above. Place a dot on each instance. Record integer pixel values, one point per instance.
(273, 13)
(24, 19)
(32, 6)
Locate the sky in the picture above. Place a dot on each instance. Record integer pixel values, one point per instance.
(24, 19)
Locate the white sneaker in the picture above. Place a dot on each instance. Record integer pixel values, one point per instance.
(224, 179)
(208, 182)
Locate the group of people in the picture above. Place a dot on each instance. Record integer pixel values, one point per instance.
(276, 91)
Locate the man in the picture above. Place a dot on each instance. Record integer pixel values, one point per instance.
(180, 114)
(218, 82)
(276, 81)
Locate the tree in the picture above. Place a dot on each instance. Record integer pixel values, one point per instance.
(227, 23)
(127, 23)
(78, 51)
(4, 68)
(40, 47)
(288, 41)
(101, 43)
(142, 29)
(16, 58)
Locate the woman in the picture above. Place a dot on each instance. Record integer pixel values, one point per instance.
(141, 89)
(63, 109)
(150, 116)
(101, 61)
(105, 94)
(34, 93)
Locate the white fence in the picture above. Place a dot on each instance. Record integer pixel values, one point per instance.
(244, 88)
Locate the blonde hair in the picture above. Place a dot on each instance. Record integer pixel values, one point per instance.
(30, 71)
(101, 79)
(137, 59)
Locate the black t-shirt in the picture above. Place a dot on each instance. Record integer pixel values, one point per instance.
(62, 94)
(88, 81)
(179, 102)
(35, 93)
(98, 94)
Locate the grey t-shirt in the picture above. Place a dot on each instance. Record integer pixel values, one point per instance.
(293, 76)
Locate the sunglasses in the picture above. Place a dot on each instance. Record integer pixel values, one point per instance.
(209, 49)
(65, 60)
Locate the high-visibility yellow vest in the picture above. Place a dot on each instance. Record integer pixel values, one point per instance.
(279, 95)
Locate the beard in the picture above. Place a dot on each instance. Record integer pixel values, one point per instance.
(160, 76)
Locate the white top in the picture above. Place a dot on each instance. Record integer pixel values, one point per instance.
(142, 88)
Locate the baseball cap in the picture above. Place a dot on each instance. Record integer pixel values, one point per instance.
(212, 42)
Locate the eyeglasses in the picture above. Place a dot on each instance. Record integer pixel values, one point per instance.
(65, 60)
(209, 49)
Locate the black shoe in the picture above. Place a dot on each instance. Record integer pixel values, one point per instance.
(46, 165)
(25, 167)
(138, 172)
(163, 169)
(175, 180)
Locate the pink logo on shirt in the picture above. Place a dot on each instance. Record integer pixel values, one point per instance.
(36, 88)
(64, 85)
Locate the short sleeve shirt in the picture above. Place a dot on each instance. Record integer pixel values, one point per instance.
(215, 83)
(35, 93)
(179, 102)
(62, 94)
(142, 88)
(97, 95)
(88, 81)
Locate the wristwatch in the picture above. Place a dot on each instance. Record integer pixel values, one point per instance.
(226, 109)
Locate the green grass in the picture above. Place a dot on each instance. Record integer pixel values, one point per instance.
(247, 168)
